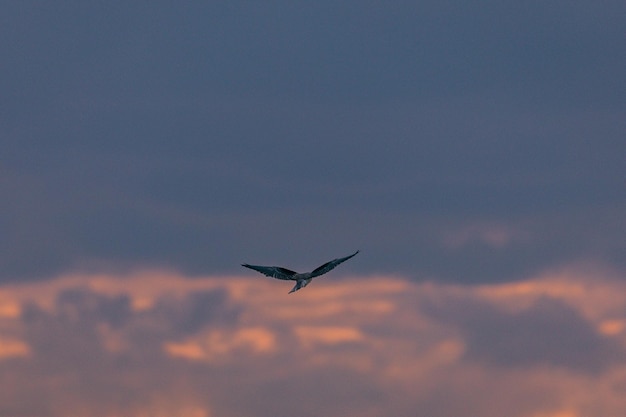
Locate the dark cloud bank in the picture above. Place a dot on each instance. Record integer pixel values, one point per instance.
(201, 136)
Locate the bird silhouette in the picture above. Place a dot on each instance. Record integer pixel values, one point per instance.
(302, 279)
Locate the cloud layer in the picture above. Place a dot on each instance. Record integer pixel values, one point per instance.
(157, 343)
(466, 143)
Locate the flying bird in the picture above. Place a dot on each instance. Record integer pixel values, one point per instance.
(302, 279)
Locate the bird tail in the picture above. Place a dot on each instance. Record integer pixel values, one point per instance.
(301, 283)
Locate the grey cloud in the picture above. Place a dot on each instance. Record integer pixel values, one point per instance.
(148, 135)
(549, 333)
(434, 399)
(78, 304)
(199, 309)
(346, 390)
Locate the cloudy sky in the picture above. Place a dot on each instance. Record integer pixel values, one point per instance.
(473, 152)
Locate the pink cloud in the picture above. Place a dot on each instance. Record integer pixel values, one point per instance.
(158, 343)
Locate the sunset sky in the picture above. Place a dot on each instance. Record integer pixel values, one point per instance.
(473, 152)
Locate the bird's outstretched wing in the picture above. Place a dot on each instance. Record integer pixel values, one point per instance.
(320, 270)
(273, 271)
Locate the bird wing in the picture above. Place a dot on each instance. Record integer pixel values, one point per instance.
(273, 271)
(320, 270)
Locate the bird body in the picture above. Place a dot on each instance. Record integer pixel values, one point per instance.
(302, 279)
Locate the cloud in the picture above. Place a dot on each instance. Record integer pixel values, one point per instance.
(547, 333)
(493, 235)
(156, 342)
(328, 335)
(129, 146)
(218, 344)
(10, 348)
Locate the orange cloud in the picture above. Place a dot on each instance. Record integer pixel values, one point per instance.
(11, 348)
(330, 335)
(220, 345)
(10, 310)
(187, 350)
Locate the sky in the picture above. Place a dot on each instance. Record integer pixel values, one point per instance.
(473, 152)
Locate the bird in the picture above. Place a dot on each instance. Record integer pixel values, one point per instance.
(302, 279)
